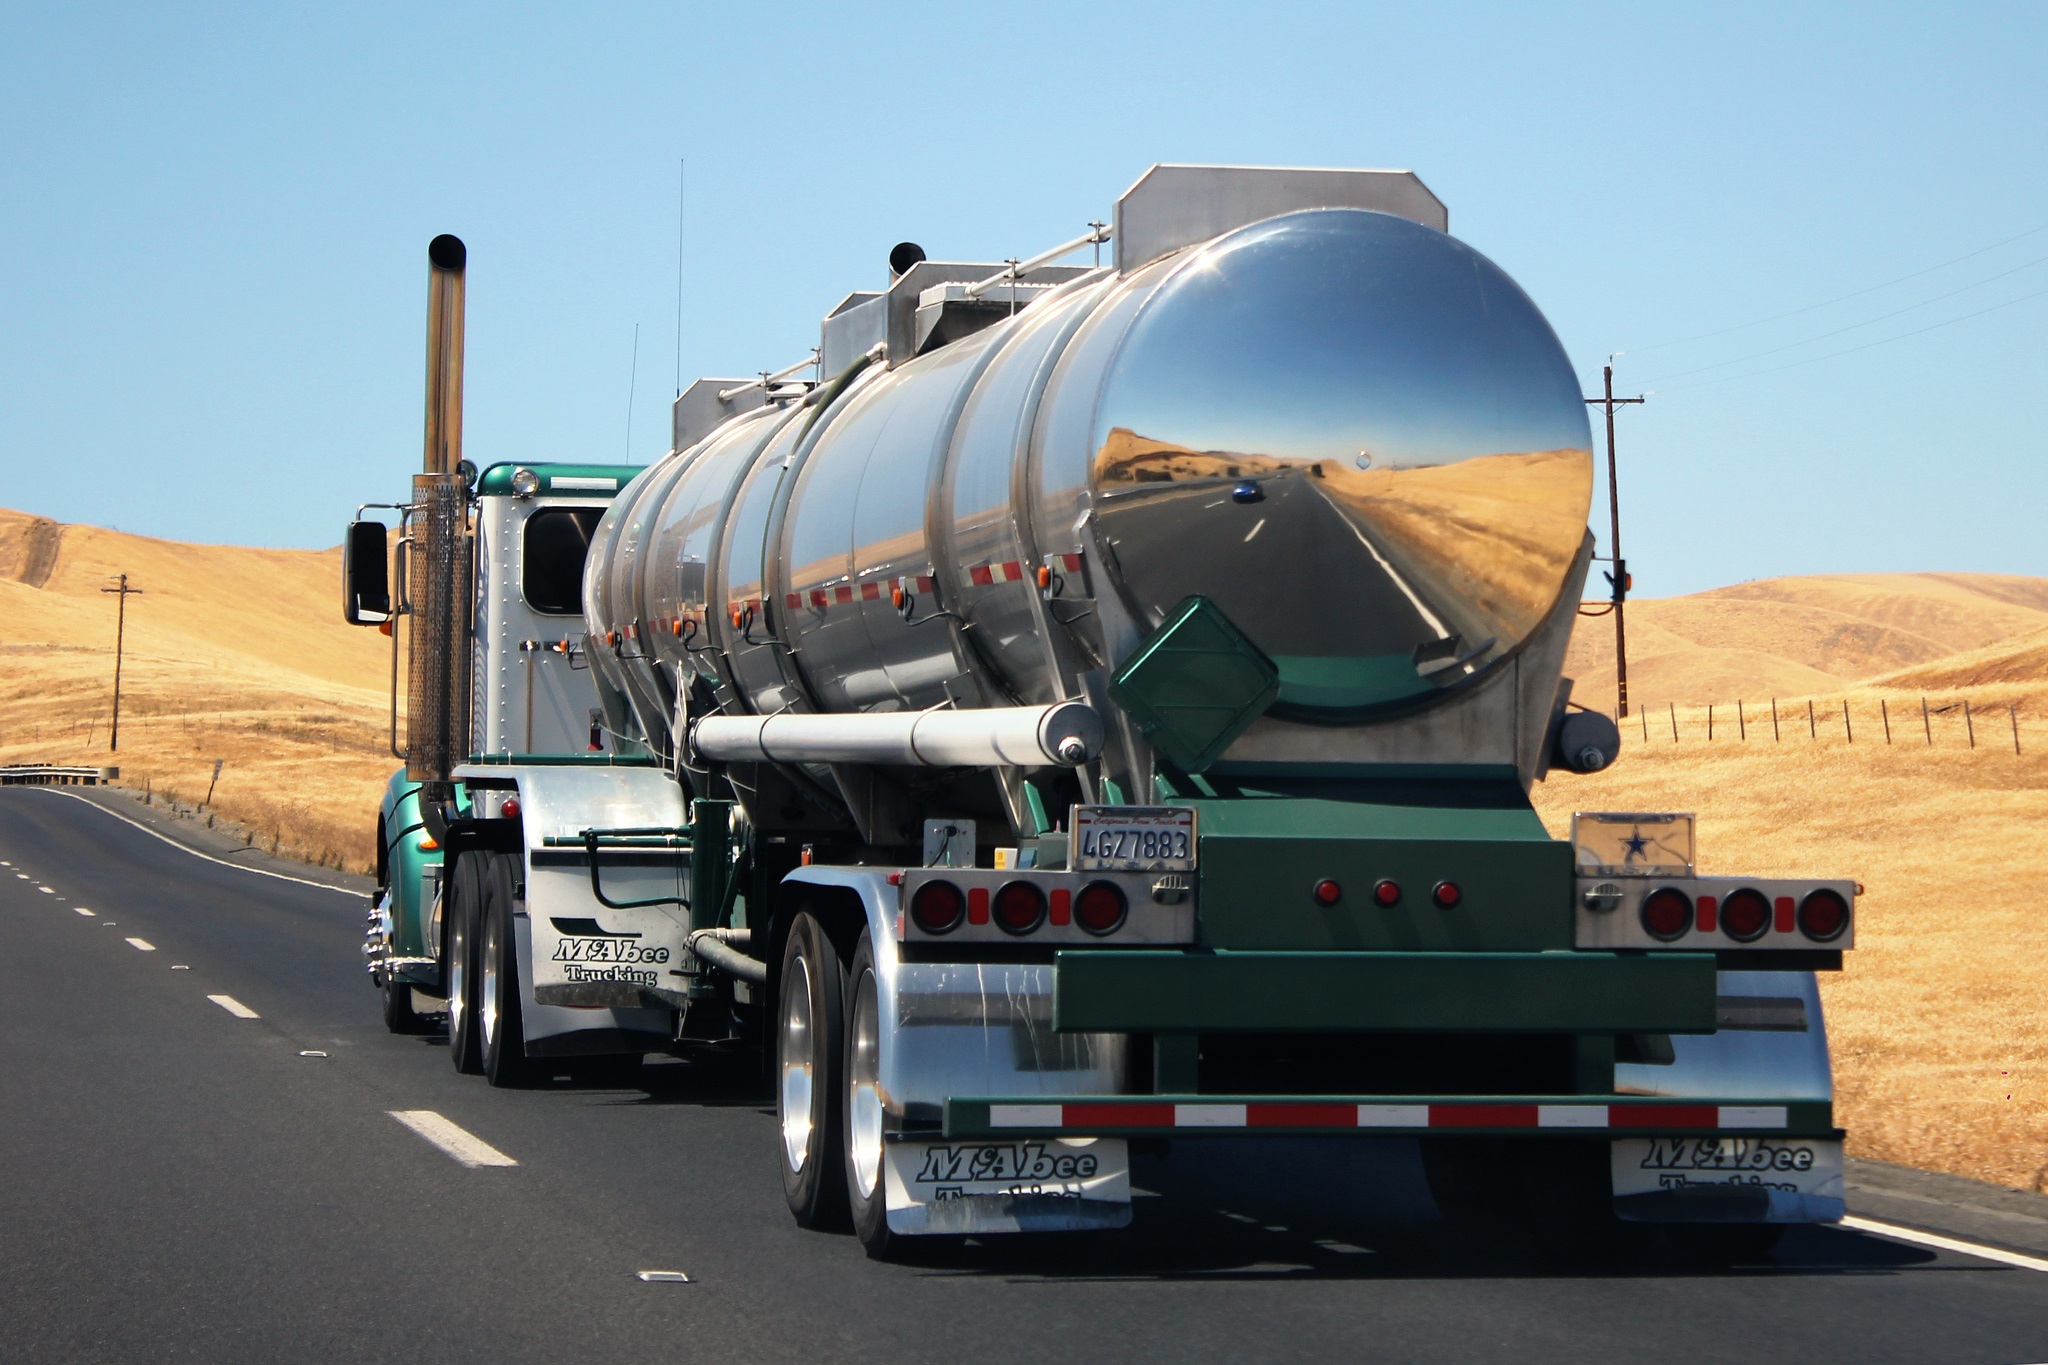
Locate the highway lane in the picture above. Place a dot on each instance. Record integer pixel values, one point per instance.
(182, 1183)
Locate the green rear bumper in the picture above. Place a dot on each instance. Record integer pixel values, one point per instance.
(1099, 991)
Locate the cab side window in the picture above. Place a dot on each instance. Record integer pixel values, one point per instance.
(551, 560)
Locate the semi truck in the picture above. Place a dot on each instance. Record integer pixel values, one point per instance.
(1086, 706)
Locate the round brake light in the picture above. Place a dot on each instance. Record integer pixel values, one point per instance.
(937, 907)
(1667, 914)
(1823, 915)
(1100, 908)
(1019, 908)
(1745, 915)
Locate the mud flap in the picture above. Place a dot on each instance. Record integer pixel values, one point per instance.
(1728, 1180)
(1033, 1185)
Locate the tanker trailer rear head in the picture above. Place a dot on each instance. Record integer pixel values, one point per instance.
(1045, 792)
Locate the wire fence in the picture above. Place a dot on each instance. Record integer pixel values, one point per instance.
(1921, 722)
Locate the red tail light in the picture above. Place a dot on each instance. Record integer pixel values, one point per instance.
(1019, 907)
(937, 907)
(510, 809)
(1328, 892)
(1745, 915)
(1823, 915)
(1667, 914)
(1446, 895)
(1100, 908)
(1386, 893)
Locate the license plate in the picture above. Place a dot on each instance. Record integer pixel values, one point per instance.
(1132, 839)
(1800, 1166)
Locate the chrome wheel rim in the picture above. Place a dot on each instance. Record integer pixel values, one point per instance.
(487, 1008)
(864, 1094)
(795, 1091)
(456, 981)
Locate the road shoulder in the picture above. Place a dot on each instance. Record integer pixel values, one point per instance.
(2015, 1220)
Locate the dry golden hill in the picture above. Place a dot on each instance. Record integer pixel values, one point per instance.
(1940, 1042)
(1791, 637)
(232, 653)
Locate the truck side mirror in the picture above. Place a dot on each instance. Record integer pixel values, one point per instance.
(365, 574)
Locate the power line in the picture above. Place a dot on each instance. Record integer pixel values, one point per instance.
(1882, 341)
(1843, 298)
(1854, 326)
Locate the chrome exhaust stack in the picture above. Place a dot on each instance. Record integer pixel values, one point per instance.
(437, 710)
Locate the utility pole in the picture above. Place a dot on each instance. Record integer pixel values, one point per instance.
(120, 638)
(1618, 578)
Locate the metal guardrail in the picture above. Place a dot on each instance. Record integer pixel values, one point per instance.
(51, 775)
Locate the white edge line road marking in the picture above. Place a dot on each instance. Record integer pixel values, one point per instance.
(1929, 1239)
(234, 1006)
(458, 1142)
(142, 945)
(81, 910)
(1416, 602)
(239, 867)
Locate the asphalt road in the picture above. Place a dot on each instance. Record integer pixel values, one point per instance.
(1286, 551)
(181, 1183)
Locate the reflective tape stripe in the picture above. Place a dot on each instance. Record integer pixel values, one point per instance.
(1571, 1116)
(1752, 1116)
(1137, 1113)
(1209, 1115)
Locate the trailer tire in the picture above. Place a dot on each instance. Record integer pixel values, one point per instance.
(464, 891)
(809, 1108)
(867, 1194)
(501, 1026)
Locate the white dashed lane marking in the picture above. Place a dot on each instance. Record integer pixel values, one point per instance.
(458, 1142)
(142, 945)
(47, 891)
(82, 910)
(1929, 1239)
(234, 1006)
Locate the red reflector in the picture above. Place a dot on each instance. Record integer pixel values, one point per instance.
(1301, 1116)
(1784, 920)
(1745, 915)
(1446, 895)
(1823, 915)
(1118, 1115)
(977, 905)
(1100, 907)
(1019, 907)
(1667, 913)
(937, 907)
(1663, 1116)
(1328, 892)
(1386, 893)
(1482, 1116)
(1706, 921)
(1062, 906)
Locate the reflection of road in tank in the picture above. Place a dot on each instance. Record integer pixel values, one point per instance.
(1293, 571)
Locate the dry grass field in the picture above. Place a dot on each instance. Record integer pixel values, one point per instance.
(1941, 1049)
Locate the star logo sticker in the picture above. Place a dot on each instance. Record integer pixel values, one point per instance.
(1636, 845)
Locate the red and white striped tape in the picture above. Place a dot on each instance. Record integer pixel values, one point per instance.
(1298, 1114)
(843, 594)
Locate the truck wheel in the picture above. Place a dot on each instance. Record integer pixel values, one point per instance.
(500, 1027)
(399, 1015)
(807, 1061)
(464, 891)
(866, 1194)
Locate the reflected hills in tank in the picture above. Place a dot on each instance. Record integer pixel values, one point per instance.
(1369, 585)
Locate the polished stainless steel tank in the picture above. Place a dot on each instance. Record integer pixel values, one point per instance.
(1348, 430)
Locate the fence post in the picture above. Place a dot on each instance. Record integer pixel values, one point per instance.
(1847, 726)
(1968, 724)
(1710, 721)
(1775, 736)
(1885, 712)
(1811, 733)
(1926, 724)
(1674, 720)
(1643, 714)
(2012, 710)
(1741, 722)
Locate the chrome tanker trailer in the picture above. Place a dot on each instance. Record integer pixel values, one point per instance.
(1099, 702)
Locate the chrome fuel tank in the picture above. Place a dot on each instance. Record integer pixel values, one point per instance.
(1351, 432)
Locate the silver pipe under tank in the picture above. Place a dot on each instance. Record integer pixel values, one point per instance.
(1064, 735)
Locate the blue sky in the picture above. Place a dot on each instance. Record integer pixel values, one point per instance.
(213, 222)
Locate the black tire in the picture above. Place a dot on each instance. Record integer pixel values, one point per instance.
(866, 1184)
(501, 1028)
(399, 1015)
(465, 891)
(809, 1096)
